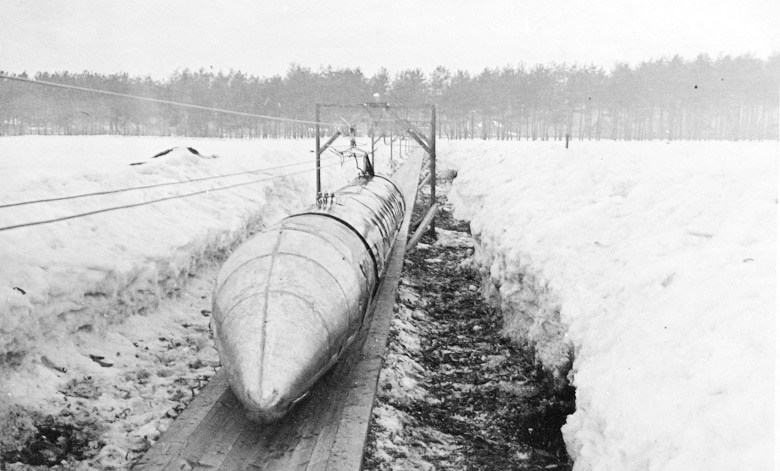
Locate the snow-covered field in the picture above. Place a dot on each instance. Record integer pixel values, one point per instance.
(97, 284)
(60, 276)
(652, 266)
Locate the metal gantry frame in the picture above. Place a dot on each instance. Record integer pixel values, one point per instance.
(427, 143)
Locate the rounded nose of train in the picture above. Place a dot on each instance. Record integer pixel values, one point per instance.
(270, 350)
(289, 300)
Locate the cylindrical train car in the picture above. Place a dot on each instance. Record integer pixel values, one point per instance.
(290, 299)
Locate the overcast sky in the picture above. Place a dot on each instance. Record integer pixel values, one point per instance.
(156, 37)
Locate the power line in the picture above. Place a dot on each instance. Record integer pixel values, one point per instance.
(157, 100)
(143, 187)
(158, 200)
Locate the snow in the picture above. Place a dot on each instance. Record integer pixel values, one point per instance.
(129, 284)
(652, 266)
(105, 266)
(649, 265)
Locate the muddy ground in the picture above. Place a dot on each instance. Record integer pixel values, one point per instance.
(455, 394)
(141, 382)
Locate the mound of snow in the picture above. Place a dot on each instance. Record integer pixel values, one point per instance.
(652, 264)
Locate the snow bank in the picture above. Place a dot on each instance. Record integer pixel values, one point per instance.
(87, 273)
(653, 264)
(104, 320)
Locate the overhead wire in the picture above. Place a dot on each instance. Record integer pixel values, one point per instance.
(199, 107)
(157, 100)
(144, 187)
(166, 102)
(158, 200)
(161, 101)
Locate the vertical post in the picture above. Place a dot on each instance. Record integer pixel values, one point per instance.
(373, 131)
(317, 147)
(432, 167)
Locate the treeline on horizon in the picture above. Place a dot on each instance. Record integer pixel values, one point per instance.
(725, 98)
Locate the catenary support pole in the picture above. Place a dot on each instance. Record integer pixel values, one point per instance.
(330, 141)
(432, 165)
(373, 162)
(317, 150)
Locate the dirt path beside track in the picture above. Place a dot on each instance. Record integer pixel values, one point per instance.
(455, 394)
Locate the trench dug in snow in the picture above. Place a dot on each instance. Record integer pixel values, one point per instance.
(457, 390)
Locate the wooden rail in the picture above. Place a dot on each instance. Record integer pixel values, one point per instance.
(325, 431)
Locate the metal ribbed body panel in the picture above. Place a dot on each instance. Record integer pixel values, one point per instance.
(290, 299)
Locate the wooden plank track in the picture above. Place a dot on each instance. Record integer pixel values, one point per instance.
(325, 431)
